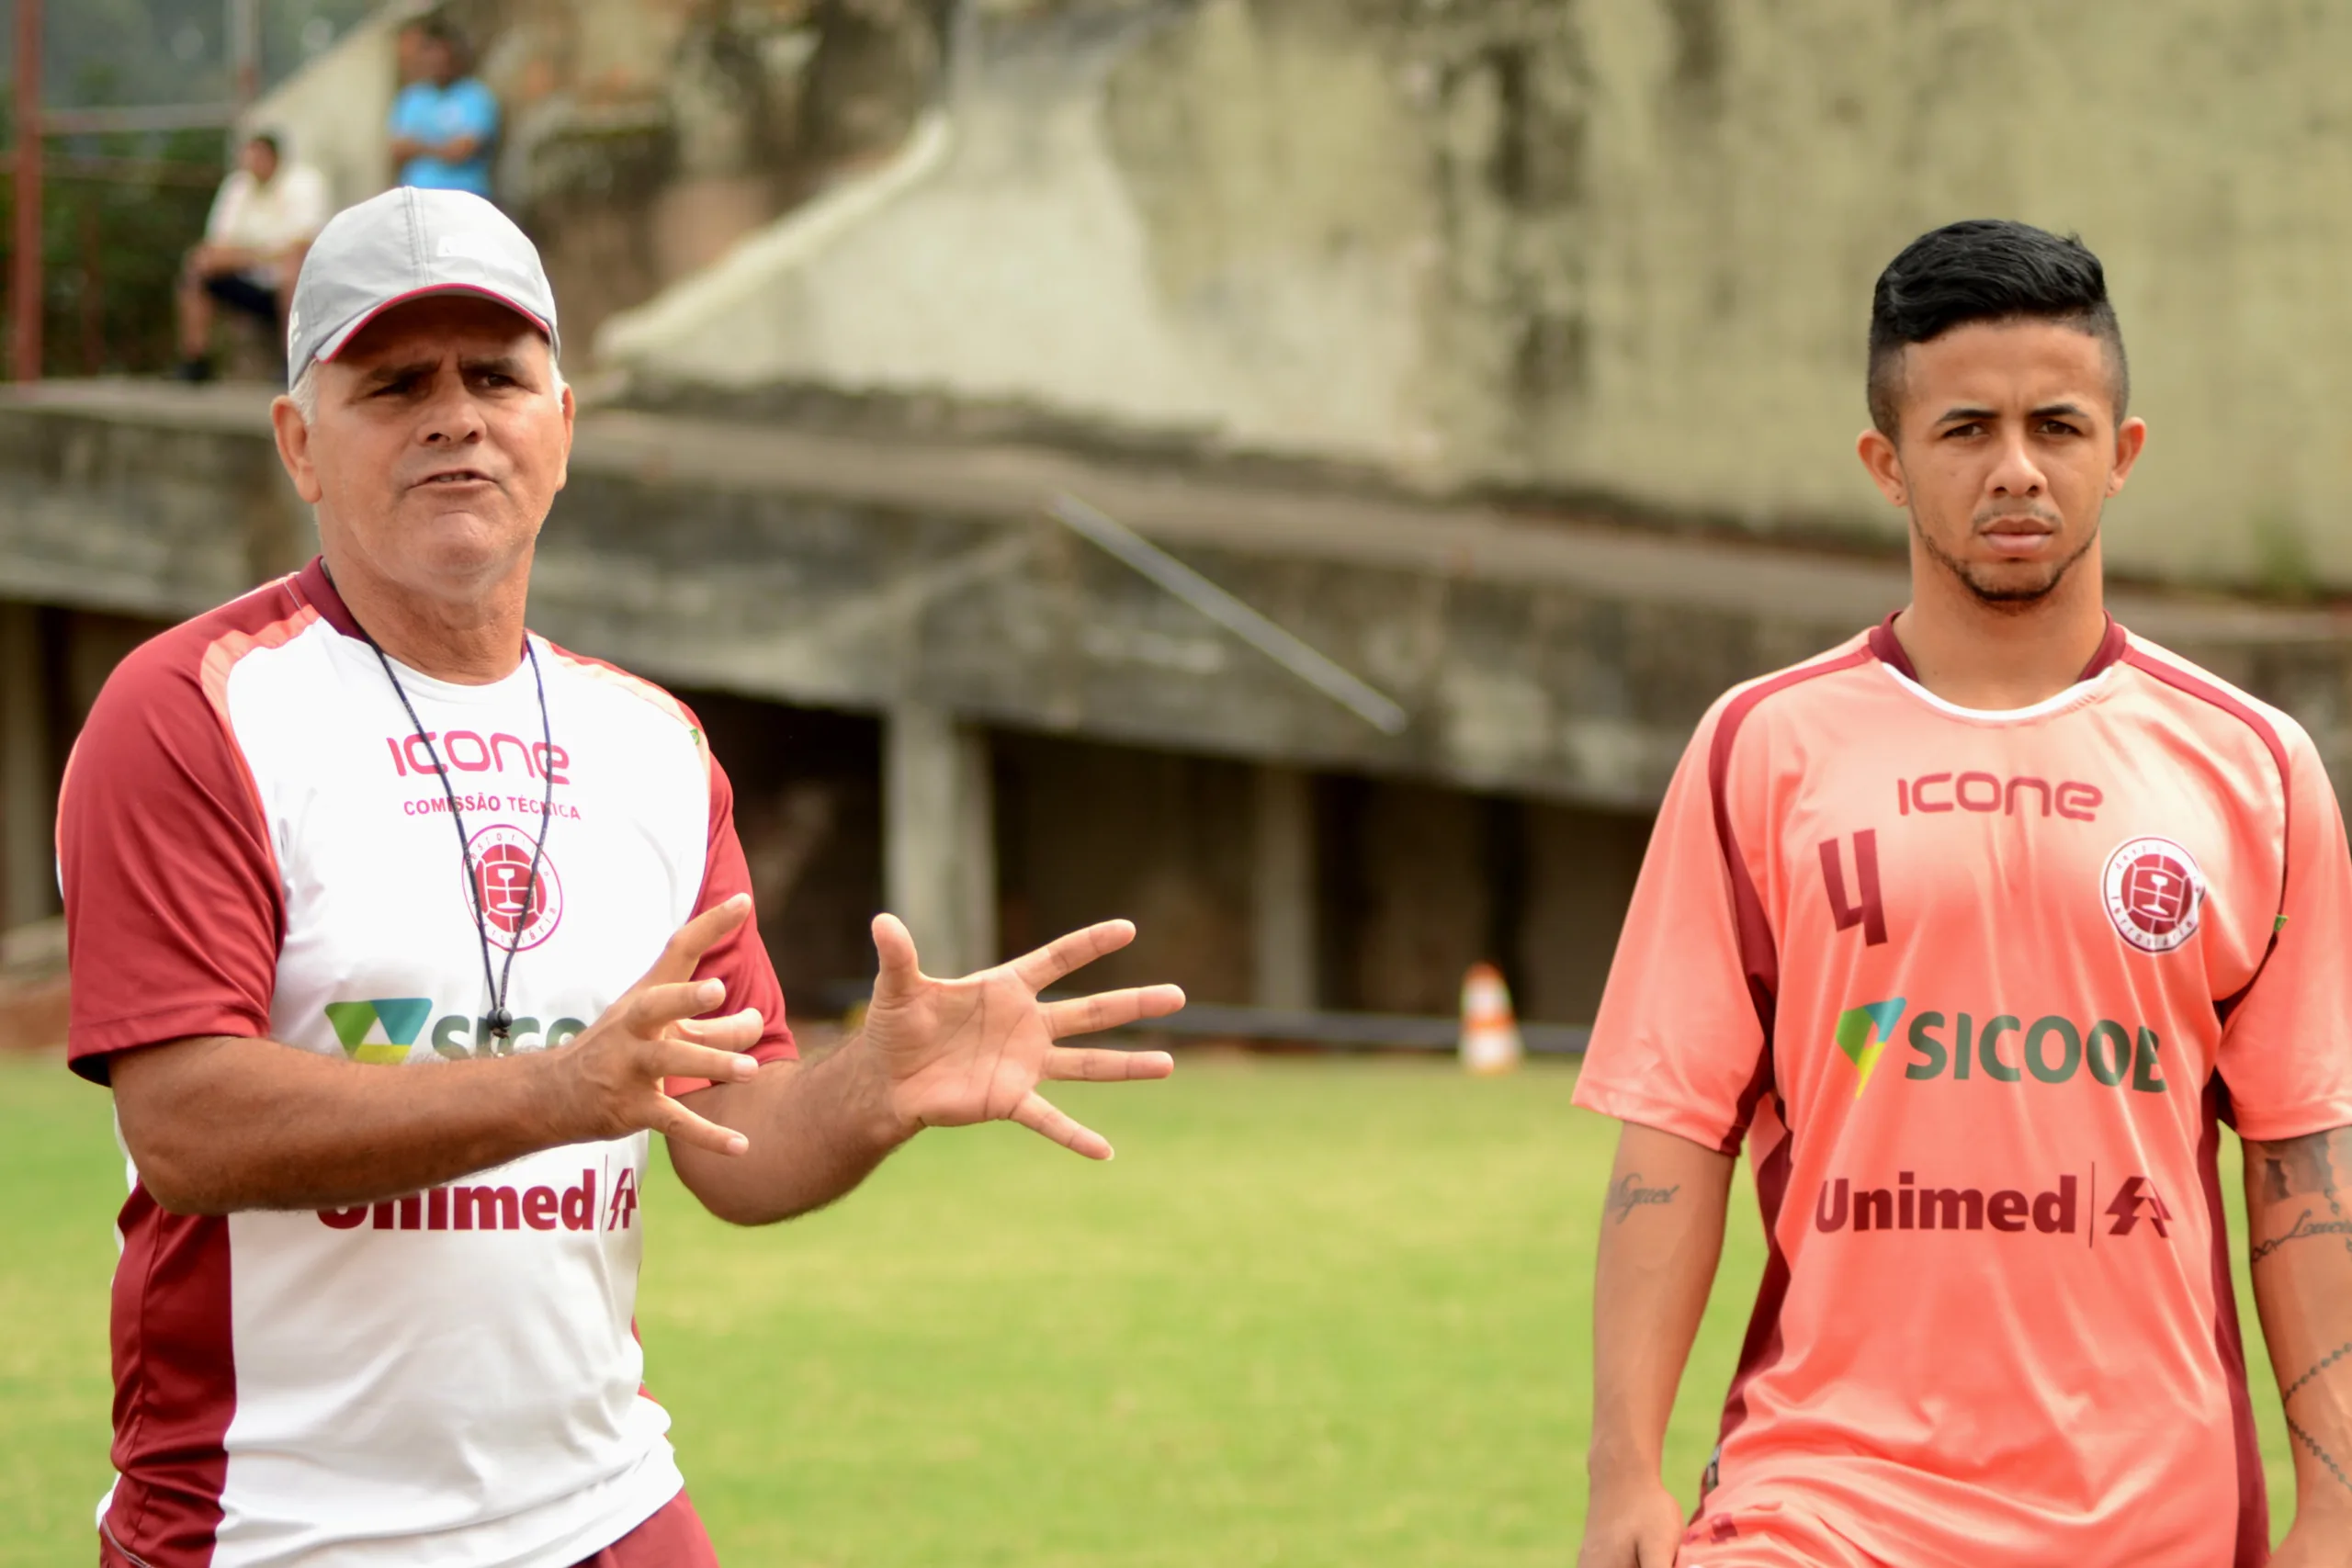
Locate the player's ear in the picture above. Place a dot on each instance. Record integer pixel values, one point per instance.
(1885, 465)
(2130, 440)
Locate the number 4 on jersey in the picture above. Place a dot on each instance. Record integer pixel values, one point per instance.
(1869, 913)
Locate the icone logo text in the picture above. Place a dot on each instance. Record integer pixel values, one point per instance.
(1990, 795)
(470, 752)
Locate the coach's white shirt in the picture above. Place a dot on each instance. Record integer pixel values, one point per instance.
(254, 841)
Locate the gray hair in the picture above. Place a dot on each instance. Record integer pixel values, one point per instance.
(304, 393)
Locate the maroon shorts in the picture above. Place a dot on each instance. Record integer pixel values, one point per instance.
(672, 1537)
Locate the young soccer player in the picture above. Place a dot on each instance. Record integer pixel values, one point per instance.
(1972, 930)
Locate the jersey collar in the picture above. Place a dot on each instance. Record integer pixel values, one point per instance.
(1888, 648)
(312, 586)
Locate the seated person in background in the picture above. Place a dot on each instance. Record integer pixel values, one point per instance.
(443, 122)
(263, 221)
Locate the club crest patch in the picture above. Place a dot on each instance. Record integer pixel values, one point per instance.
(520, 913)
(2155, 894)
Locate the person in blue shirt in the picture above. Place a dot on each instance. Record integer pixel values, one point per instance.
(443, 124)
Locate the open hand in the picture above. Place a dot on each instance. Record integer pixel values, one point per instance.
(608, 1078)
(955, 1052)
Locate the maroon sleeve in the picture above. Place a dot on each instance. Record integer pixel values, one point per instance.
(172, 907)
(741, 958)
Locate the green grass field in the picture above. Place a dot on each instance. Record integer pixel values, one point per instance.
(1318, 1312)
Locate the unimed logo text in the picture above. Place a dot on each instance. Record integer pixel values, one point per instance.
(2057, 1210)
(463, 1207)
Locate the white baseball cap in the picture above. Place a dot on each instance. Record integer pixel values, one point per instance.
(402, 245)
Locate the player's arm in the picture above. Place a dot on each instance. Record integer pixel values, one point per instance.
(932, 1054)
(2299, 1227)
(220, 1124)
(1661, 1237)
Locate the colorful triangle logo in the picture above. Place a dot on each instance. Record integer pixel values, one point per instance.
(1862, 1035)
(380, 1029)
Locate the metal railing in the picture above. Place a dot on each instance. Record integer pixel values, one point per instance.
(29, 160)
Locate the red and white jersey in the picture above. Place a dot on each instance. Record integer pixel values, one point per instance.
(1976, 989)
(254, 842)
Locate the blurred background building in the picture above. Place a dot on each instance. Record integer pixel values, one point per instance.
(1507, 352)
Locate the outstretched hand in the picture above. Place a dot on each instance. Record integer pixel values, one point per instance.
(955, 1052)
(612, 1080)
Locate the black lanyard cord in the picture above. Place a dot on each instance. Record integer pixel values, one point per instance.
(502, 1022)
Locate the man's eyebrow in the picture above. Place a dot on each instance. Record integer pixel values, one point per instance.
(496, 364)
(2069, 410)
(1964, 414)
(386, 375)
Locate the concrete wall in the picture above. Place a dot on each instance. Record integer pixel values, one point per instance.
(332, 112)
(1613, 251)
(1091, 832)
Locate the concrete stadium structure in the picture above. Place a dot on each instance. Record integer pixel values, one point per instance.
(1507, 353)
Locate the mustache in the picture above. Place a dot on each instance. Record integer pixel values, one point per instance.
(2034, 510)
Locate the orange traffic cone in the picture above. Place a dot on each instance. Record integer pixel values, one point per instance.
(1490, 1041)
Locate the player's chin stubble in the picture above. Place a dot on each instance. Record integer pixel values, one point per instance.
(1999, 588)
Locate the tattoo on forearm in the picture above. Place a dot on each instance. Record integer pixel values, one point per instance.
(2318, 1367)
(2304, 1228)
(2320, 1453)
(1630, 1194)
(2293, 1167)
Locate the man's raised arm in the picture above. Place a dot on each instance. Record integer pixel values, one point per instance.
(218, 1123)
(1661, 1236)
(2299, 1227)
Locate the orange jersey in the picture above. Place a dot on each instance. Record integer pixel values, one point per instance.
(1976, 989)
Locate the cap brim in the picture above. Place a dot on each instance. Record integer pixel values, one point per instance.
(335, 341)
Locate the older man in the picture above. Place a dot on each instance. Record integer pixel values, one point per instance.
(396, 930)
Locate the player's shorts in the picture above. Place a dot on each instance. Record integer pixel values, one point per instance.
(671, 1538)
(239, 292)
(1771, 1536)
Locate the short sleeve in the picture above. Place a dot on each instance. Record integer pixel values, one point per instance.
(172, 907)
(1678, 1040)
(2286, 1054)
(479, 107)
(740, 960)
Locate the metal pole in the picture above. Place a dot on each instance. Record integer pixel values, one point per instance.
(25, 288)
(244, 52)
(1365, 702)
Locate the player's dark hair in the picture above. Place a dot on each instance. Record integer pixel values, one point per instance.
(1986, 269)
(268, 138)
